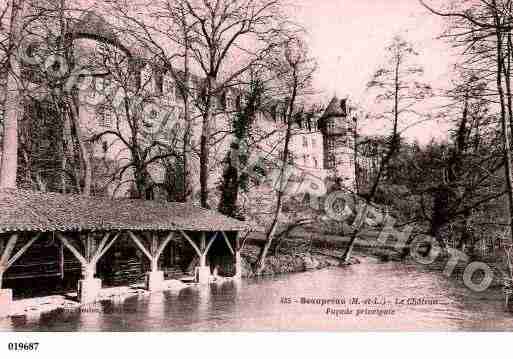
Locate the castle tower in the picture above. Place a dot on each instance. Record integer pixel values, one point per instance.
(337, 127)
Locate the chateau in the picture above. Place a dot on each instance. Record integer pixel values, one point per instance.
(322, 144)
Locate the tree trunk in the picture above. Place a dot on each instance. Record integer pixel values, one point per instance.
(13, 102)
(358, 224)
(360, 220)
(504, 120)
(84, 153)
(230, 188)
(205, 145)
(187, 195)
(281, 189)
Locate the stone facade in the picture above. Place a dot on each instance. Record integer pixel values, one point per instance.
(338, 126)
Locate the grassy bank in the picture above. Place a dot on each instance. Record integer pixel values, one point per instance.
(311, 251)
(304, 251)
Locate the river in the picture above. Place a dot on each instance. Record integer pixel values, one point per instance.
(256, 305)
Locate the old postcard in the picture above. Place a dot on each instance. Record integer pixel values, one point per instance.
(255, 165)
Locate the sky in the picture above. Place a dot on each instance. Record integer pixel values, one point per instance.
(348, 38)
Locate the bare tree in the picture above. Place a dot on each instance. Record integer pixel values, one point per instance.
(229, 37)
(13, 98)
(134, 123)
(168, 38)
(239, 153)
(295, 70)
(486, 35)
(397, 87)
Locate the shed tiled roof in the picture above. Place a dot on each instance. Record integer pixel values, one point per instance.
(24, 211)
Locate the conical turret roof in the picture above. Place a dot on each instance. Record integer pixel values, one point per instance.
(336, 108)
(93, 24)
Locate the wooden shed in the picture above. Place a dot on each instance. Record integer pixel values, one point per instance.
(89, 226)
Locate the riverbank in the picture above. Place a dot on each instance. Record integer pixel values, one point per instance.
(289, 261)
(296, 254)
(255, 305)
(31, 307)
(312, 252)
(306, 251)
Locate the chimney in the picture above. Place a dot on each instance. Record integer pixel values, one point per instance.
(343, 106)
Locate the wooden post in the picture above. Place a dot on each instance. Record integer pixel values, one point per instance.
(203, 256)
(61, 259)
(6, 254)
(172, 255)
(235, 251)
(7, 258)
(6, 261)
(202, 273)
(89, 287)
(153, 250)
(154, 278)
(238, 258)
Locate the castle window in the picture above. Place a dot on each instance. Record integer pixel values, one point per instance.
(222, 101)
(178, 89)
(44, 144)
(316, 163)
(330, 161)
(137, 79)
(313, 142)
(305, 141)
(159, 83)
(229, 101)
(274, 112)
(103, 116)
(238, 103)
(168, 88)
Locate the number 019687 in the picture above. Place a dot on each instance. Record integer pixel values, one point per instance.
(23, 346)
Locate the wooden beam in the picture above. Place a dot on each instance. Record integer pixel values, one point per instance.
(102, 244)
(11, 243)
(238, 246)
(246, 235)
(102, 250)
(203, 242)
(22, 251)
(72, 249)
(61, 259)
(210, 244)
(163, 245)
(238, 258)
(154, 245)
(89, 248)
(228, 243)
(191, 243)
(139, 244)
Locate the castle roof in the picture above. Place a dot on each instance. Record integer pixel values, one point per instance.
(94, 26)
(336, 108)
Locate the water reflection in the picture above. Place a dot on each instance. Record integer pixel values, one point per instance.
(91, 317)
(255, 305)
